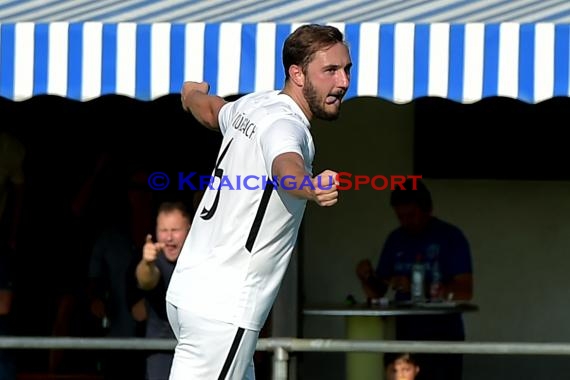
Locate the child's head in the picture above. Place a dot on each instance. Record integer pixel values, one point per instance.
(401, 366)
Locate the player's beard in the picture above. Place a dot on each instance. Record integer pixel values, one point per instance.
(317, 103)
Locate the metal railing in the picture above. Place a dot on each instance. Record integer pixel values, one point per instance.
(281, 347)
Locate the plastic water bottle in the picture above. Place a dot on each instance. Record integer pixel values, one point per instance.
(418, 281)
(435, 288)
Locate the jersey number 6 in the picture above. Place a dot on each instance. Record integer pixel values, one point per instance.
(219, 173)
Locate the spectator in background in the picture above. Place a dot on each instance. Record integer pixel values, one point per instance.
(441, 247)
(401, 366)
(153, 273)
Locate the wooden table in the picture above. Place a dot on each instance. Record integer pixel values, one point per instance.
(359, 325)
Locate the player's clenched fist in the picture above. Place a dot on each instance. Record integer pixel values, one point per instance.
(151, 250)
(189, 87)
(326, 193)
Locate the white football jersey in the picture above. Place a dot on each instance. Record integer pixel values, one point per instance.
(240, 243)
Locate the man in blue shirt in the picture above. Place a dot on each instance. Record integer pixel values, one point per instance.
(441, 247)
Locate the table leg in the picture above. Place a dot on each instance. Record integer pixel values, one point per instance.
(367, 366)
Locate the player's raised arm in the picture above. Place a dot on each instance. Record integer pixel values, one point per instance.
(290, 171)
(204, 107)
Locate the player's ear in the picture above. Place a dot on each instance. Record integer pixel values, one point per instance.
(296, 74)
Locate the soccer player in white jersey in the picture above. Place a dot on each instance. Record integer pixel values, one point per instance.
(233, 261)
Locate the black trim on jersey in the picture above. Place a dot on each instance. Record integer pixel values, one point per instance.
(231, 354)
(259, 216)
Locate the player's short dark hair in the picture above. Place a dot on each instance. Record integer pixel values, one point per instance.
(414, 191)
(300, 47)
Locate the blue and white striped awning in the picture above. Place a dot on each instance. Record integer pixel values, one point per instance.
(286, 11)
(402, 50)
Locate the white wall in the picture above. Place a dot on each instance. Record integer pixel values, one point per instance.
(520, 238)
(519, 233)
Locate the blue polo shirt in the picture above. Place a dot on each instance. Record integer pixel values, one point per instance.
(441, 242)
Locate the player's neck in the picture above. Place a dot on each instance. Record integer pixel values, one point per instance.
(296, 93)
